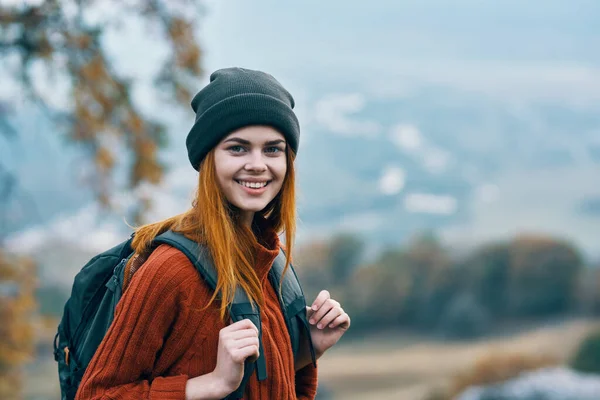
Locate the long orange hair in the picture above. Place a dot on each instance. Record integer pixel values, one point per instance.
(213, 222)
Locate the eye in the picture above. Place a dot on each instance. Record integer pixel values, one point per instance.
(273, 150)
(236, 149)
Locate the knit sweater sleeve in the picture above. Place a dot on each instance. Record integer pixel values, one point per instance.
(306, 382)
(125, 360)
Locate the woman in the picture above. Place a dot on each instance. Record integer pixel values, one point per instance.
(171, 337)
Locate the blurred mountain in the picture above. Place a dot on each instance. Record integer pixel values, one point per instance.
(466, 165)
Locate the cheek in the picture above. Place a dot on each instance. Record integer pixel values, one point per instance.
(280, 169)
(224, 183)
(224, 169)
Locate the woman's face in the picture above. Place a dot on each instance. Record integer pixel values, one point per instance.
(251, 165)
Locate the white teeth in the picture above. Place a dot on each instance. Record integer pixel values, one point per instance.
(253, 185)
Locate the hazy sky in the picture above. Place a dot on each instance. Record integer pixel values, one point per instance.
(338, 57)
(317, 34)
(544, 46)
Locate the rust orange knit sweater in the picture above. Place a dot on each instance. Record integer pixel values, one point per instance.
(161, 336)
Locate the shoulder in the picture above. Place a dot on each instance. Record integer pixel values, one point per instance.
(167, 267)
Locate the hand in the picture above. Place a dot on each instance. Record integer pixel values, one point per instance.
(237, 342)
(328, 322)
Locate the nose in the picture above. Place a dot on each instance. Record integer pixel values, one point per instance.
(256, 162)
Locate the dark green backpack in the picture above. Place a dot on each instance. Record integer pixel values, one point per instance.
(98, 288)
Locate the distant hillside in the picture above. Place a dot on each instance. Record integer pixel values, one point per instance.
(435, 159)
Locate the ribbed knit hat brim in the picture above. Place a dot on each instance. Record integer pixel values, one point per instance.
(239, 98)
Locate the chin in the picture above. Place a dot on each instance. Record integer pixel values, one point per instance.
(251, 207)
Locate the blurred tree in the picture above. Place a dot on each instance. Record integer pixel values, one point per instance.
(410, 286)
(376, 296)
(543, 276)
(485, 273)
(345, 254)
(311, 260)
(433, 285)
(587, 356)
(65, 39)
(421, 286)
(588, 291)
(17, 304)
(464, 318)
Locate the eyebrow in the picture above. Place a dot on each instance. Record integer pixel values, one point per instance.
(247, 142)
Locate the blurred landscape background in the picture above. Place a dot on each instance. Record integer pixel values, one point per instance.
(449, 176)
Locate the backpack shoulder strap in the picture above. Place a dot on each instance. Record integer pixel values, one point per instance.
(197, 254)
(293, 303)
(241, 308)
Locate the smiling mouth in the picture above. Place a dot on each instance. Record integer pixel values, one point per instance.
(253, 185)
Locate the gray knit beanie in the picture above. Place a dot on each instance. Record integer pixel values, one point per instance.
(235, 98)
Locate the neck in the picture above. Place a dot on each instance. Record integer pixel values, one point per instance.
(247, 218)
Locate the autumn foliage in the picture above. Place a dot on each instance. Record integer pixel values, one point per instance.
(17, 307)
(65, 39)
(102, 113)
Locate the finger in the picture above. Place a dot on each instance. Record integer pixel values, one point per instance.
(321, 298)
(342, 321)
(241, 334)
(329, 317)
(240, 355)
(245, 327)
(324, 309)
(242, 324)
(245, 342)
